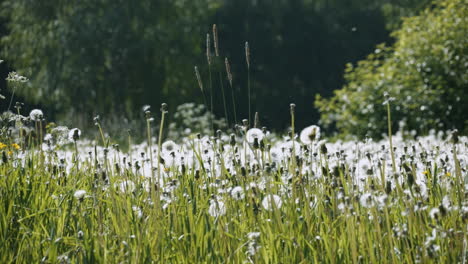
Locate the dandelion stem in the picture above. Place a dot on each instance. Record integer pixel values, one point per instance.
(389, 122)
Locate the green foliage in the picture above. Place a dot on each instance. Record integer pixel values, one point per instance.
(425, 71)
(104, 56)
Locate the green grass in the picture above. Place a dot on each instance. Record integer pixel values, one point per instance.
(324, 216)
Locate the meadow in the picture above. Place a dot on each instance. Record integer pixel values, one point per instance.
(242, 196)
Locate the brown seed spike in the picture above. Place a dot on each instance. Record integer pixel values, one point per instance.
(228, 71)
(247, 54)
(215, 40)
(208, 49)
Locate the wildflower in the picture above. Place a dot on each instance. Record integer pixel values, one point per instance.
(80, 194)
(137, 211)
(2, 146)
(367, 200)
(80, 234)
(217, 208)
(15, 77)
(253, 245)
(253, 235)
(237, 193)
(310, 134)
(254, 133)
(434, 213)
(74, 134)
(36, 115)
(168, 147)
(271, 202)
(15, 146)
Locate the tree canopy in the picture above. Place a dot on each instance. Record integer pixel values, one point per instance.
(424, 71)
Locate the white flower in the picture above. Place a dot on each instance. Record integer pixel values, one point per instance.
(74, 134)
(237, 193)
(36, 115)
(15, 77)
(367, 200)
(217, 208)
(271, 202)
(276, 154)
(310, 134)
(137, 211)
(168, 147)
(79, 194)
(434, 213)
(253, 235)
(254, 133)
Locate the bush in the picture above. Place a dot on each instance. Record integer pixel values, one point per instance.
(424, 70)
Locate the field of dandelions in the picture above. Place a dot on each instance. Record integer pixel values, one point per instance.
(240, 196)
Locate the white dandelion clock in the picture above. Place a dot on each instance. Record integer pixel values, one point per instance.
(169, 149)
(80, 194)
(238, 193)
(36, 115)
(217, 208)
(271, 202)
(310, 134)
(74, 134)
(254, 133)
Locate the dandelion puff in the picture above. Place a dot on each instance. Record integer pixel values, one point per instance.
(254, 133)
(446, 203)
(310, 134)
(80, 194)
(367, 200)
(271, 202)
(36, 115)
(434, 213)
(217, 208)
(137, 211)
(74, 134)
(237, 193)
(253, 235)
(168, 147)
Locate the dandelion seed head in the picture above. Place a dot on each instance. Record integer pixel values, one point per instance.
(254, 133)
(217, 208)
(271, 202)
(80, 194)
(74, 134)
(36, 115)
(310, 134)
(238, 193)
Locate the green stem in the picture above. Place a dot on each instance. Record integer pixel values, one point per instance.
(389, 121)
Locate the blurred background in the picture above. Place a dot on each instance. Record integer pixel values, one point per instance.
(111, 57)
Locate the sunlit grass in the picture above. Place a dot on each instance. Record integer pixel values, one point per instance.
(254, 198)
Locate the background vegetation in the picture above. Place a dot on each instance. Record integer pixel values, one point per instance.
(111, 57)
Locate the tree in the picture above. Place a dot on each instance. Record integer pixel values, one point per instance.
(105, 56)
(424, 70)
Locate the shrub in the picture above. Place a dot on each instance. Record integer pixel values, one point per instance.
(424, 70)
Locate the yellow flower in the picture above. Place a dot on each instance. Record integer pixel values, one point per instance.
(2, 145)
(425, 172)
(448, 174)
(15, 146)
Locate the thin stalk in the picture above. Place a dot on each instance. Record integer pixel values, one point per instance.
(150, 149)
(224, 97)
(161, 126)
(211, 100)
(389, 122)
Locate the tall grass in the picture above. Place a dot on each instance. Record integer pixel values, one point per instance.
(333, 206)
(254, 197)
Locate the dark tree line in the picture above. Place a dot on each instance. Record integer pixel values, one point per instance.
(113, 56)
